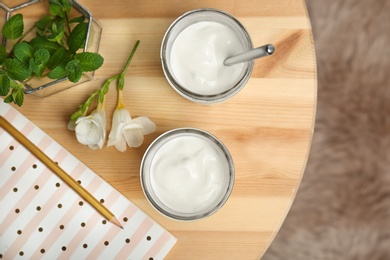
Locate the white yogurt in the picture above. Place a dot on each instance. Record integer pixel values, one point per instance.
(198, 54)
(189, 174)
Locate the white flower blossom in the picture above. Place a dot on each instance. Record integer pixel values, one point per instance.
(91, 130)
(127, 131)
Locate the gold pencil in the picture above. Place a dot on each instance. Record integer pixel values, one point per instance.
(59, 171)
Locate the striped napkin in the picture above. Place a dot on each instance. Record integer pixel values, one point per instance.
(41, 217)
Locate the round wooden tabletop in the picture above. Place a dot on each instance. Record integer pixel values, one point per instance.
(267, 126)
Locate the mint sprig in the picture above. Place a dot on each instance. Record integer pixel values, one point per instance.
(53, 52)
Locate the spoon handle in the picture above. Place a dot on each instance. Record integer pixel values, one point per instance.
(258, 52)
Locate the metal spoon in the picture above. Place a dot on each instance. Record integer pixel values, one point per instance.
(258, 52)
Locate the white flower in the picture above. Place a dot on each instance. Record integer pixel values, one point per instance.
(126, 130)
(91, 130)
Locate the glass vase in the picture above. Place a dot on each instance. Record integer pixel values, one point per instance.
(33, 10)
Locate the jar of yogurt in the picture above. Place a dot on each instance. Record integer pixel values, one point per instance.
(187, 174)
(193, 52)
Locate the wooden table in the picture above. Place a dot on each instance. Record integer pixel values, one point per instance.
(267, 127)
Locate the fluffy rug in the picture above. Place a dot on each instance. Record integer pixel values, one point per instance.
(342, 209)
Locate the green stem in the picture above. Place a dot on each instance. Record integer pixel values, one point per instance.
(67, 24)
(122, 75)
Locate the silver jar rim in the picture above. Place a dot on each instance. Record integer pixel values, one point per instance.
(145, 175)
(196, 97)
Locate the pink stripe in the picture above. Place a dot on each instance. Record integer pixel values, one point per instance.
(91, 224)
(42, 179)
(27, 129)
(16, 176)
(158, 245)
(6, 154)
(20, 171)
(34, 222)
(136, 238)
(128, 213)
(4, 111)
(11, 114)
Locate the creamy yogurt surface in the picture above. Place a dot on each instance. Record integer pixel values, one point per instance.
(198, 54)
(189, 174)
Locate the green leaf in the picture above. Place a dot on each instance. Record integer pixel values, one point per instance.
(58, 72)
(60, 7)
(72, 65)
(18, 96)
(3, 53)
(58, 31)
(41, 56)
(56, 8)
(42, 43)
(13, 28)
(67, 4)
(75, 75)
(4, 83)
(77, 37)
(38, 63)
(74, 69)
(61, 55)
(16, 70)
(77, 19)
(89, 61)
(44, 23)
(23, 52)
(8, 99)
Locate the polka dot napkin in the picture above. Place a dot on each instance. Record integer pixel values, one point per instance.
(41, 217)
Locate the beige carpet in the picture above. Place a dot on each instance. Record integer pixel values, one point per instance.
(342, 209)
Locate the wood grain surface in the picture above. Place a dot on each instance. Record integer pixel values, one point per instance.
(267, 127)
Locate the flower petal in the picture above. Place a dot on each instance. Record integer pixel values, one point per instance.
(148, 126)
(91, 130)
(133, 137)
(71, 125)
(120, 145)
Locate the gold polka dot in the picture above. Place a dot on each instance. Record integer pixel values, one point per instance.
(36, 187)
(63, 248)
(125, 219)
(11, 147)
(15, 189)
(13, 168)
(58, 184)
(127, 240)
(19, 232)
(106, 243)
(148, 238)
(42, 251)
(34, 166)
(81, 203)
(85, 245)
(83, 224)
(62, 227)
(21, 253)
(59, 205)
(38, 208)
(101, 200)
(40, 229)
(17, 211)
